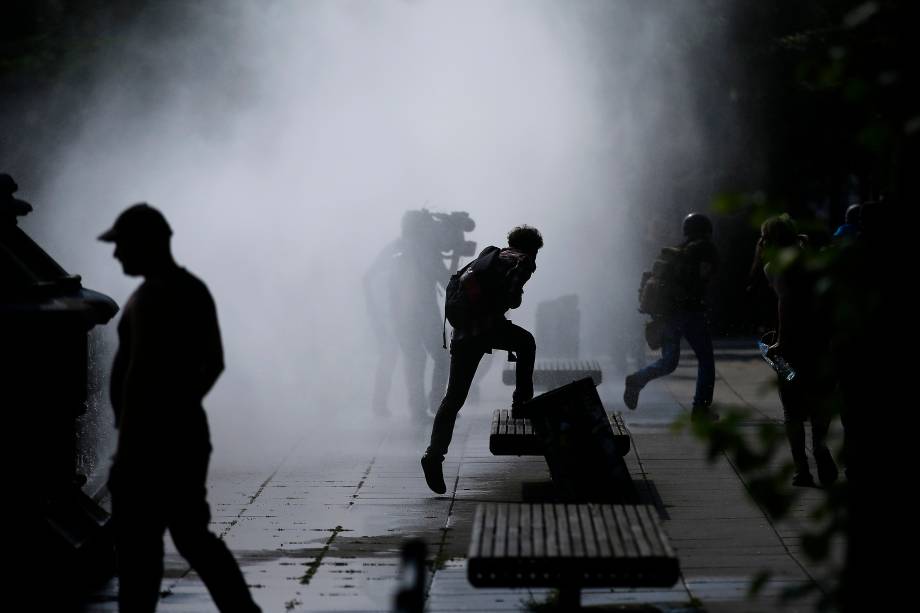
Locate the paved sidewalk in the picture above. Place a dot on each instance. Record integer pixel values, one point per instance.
(321, 531)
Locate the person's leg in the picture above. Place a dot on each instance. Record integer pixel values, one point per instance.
(413, 356)
(794, 422)
(510, 337)
(205, 552)
(138, 543)
(696, 331)
(464, 359)
(820, 424)
(383, 375)
(485, 365)
(670, 357)
(439, 372)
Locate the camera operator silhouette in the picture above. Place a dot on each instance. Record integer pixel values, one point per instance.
(401, 290)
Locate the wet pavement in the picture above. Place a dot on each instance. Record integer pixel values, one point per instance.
(321, 531)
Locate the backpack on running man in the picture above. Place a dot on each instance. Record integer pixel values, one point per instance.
(466, 297)
(662, 287)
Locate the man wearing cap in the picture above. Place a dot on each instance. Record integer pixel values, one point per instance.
(169, 356)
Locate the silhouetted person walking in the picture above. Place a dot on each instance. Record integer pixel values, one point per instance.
(487, 287)
(802, 339)
(169, 356)
(682, 313)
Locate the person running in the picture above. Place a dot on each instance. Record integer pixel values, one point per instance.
(490, 285)
(695, 263)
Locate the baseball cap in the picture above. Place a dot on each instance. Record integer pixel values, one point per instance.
(139, 221)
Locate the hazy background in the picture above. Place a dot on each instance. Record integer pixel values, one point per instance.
(284, 139)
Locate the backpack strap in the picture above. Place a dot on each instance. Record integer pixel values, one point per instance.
(459, 273)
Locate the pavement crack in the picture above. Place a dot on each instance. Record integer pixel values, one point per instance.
(635, 450)
(774, 529)
(232, 523)
(439, 558)
(318, 560)
(743, 400)
(367, 471)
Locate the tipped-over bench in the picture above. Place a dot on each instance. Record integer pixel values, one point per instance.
(511, 436)
(569, 546)
(548, 374)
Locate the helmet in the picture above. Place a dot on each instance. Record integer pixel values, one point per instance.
(697, 225)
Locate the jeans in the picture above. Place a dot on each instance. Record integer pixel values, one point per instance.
(691, 325)
(465, 355)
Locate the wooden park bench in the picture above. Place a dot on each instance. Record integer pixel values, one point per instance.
(548, 374)
(511, 436)
(570, 547)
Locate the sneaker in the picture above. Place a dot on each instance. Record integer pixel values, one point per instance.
(703, 413)
(631, 392)
(827, 469)
(803, 479)
(434, 477)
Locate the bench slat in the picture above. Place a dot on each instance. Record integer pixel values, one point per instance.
(600, 531)
(662, 537)
(645, 549)
(501, 530)
(549, 525)
(626, 533)
(562, 521)
(620, 549)
(578, 541)
(650, 531)
(536, 529)
(488, 531)
(514, 526)
(587, 529)
(476, 537)
(526, 539)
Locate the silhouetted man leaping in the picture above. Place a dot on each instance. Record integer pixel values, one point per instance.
(169, 356)
(486, 289)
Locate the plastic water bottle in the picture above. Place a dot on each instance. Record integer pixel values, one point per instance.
(782, 368)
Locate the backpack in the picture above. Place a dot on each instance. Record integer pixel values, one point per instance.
(661, 288)
(466, 296)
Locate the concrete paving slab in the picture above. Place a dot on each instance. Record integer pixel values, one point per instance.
(321, 530)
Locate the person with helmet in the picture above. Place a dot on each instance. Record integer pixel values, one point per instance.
(169, 356)
(698, 264)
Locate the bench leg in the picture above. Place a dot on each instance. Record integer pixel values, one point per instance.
(569, 598)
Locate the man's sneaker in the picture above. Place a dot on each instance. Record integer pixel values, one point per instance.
(631, 392)
(803, 479)
(434, 477)
(703, 413)
(827, 468)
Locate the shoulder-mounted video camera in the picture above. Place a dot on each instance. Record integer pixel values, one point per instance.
(444, 232)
